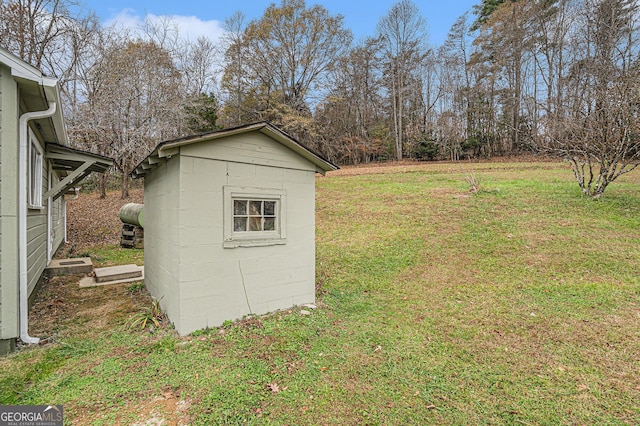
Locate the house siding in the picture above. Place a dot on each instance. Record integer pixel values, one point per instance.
(57, 220)
(2, 126)
(37, 236)
(8, 205)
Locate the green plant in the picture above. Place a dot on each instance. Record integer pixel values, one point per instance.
(149, 315)
(135, 287)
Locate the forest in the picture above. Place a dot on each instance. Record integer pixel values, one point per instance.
(559, 77)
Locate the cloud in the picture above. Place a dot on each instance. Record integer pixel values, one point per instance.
(189, 27)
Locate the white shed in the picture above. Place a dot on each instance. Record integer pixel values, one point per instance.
(230, 224)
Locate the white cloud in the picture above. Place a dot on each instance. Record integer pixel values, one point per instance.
(189, 27)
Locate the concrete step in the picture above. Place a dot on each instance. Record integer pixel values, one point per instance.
(117, 273)
(80, 265)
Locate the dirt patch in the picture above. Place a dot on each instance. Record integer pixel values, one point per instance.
(166, 410)
(409, 166)
(62, 307)
(92, 220)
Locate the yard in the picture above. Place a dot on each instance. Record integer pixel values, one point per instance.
(519, 304)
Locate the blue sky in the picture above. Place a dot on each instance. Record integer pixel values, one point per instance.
(205, 17)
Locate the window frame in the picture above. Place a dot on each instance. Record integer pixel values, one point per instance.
(234, 239)
(35, 175)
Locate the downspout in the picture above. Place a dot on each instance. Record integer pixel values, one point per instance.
(22, 218)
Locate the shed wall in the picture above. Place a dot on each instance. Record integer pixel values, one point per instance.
(252, 148)
(198, 281)
(161, 252)
(219, 284)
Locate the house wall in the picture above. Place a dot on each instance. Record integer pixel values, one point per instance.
(8, 207)
(161, 246)
(9, 115)
(57, 219)
(37, 234)
(216, 283)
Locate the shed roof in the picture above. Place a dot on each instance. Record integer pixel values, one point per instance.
(166, 149)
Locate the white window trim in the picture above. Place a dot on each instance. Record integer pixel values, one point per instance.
(258, 238)
(35, 176)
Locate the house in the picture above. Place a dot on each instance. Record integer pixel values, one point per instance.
(36, 169)
(230, 224)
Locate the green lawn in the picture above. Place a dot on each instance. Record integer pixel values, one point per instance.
(516, 305)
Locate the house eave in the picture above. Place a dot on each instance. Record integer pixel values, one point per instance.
(47, 89)
(74, 165)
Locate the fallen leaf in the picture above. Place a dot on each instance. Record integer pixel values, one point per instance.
(430, 407)
(273, 387)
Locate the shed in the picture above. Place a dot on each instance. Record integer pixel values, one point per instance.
(230, 224)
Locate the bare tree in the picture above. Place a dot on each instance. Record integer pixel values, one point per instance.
(598, 129)
(404, 35)
(352, 116)
(455, 124)
(52, 35)
(236, 77)
(133, 101)
(286, 55)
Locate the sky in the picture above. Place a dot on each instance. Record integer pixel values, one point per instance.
(205, 17)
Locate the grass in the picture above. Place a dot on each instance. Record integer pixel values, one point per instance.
(519, 304)
(111, 255)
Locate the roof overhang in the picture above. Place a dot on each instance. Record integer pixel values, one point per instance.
(38, 91)
(74, 165)
(166, 150)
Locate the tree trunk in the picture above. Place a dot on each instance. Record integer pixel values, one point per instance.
(125, 186)
(102, 185)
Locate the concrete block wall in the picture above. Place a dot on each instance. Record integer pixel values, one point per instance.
(210, 283)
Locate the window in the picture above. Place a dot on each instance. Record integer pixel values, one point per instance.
(254, 217)
(35, 172)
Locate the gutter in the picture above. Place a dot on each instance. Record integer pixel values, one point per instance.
(22, 218)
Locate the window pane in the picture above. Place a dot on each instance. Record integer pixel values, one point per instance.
(239, 224)
(255, 208)
(269, 208)
(255, 223)
(270, 224)
(239, 207)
